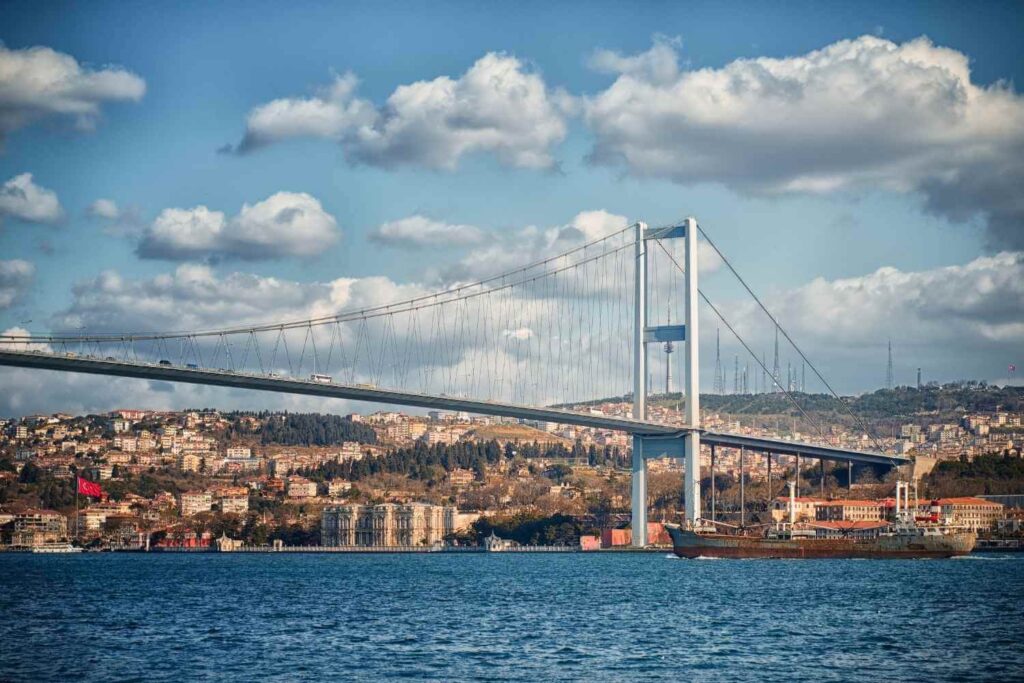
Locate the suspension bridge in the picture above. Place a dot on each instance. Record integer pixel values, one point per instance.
(539, 342)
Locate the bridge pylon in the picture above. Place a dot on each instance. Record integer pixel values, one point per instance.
(651, 446)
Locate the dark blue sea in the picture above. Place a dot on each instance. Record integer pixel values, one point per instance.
(539, 617)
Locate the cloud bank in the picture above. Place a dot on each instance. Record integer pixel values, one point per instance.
(38, 83)
(858, 114)
(23, 200)
(498, 106)
(286, 224)
(419, 231)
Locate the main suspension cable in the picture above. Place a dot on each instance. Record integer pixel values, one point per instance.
(742, 341)
(785, 334)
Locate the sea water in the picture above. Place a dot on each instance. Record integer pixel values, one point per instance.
(505, 616)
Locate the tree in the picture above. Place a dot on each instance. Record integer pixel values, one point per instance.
(560, 472)
(30, 473)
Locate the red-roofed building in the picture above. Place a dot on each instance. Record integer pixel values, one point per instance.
(805, 507)
(974, 513)
(849, 511)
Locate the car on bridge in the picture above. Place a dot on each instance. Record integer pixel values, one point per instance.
(164, 361)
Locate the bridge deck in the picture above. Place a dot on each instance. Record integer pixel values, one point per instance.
(240, 380)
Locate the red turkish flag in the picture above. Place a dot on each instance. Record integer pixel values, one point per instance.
(88, 488)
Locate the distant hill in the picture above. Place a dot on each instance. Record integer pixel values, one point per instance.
(503, 433)
(905, 402)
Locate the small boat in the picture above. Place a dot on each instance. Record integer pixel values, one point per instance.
(56, 548)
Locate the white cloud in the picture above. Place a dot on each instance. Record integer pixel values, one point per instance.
(22, 199)
(283, 225)
(506, 251)
(513, 249)
(420, 231)
(193, 297)
(958, 307)
(39, 82)
(11, 338)
(330, 114)
(857, 114)
(15, 278)
(497, 106)
(659, 65)
(961, 321)
(105, 208)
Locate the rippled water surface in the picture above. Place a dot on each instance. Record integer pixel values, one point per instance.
(617, 617)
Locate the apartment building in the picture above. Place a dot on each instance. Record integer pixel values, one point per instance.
(974, 513)
(194, 502)
(849, 511)
(299, 487)
(38, 527)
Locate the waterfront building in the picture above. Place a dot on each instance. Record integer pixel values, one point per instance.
(495, 544)
(91, 520)
(38, 527)
(389, 524)
(805, 508)
(974, 513)
(849, 511)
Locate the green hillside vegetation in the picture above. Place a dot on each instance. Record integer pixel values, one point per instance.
(986, 474)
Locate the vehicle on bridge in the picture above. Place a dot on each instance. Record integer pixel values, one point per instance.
(321, 379)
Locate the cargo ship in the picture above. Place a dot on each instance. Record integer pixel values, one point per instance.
(909, 537)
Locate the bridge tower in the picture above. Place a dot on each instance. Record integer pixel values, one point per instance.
(688, 333)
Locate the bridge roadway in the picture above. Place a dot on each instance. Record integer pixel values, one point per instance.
(259, 382)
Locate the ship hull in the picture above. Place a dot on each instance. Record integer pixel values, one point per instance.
(692, 545)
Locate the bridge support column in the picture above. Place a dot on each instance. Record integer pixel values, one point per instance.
(639, 494)
(691, 485)
(639, 490)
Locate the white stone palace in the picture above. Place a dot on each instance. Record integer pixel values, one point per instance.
(389, 524)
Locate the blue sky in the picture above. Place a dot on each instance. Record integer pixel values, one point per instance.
(207, 66)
